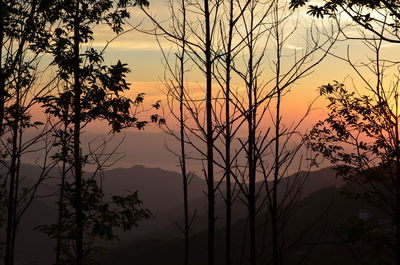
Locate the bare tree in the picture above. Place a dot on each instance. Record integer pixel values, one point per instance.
(24, 33)
(176, 90)
(199, 49)
(266, 143)
(281, 201)
(233, 50)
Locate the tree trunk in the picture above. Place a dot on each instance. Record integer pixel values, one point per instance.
(12, 197)
(228, 140)
(274, 208)
(77, 128)
(251, 146)
(17, 180)
(210, 141)
(182, 137)
(61, 195)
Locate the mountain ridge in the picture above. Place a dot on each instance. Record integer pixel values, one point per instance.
(161, 192)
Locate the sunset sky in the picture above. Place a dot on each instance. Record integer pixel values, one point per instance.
(142, 53)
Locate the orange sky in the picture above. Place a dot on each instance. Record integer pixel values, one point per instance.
(141, 52)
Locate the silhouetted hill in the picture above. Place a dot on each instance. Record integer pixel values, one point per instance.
(313, 181)
(160, 191)
(311, 235)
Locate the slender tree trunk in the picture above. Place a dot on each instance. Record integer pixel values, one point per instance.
(251, 199)
(210, 140)
(251, 146)
(274, 208)
(10, 209)
(17, 180)
(61, 195)
(228, 139)
(77, 132)
(13, 185)
(185, 196)
(252, 181)
(182, 136)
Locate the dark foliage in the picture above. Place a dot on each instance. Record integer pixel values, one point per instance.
(359, 137)
(381, 17)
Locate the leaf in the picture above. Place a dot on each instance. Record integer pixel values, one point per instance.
(316, 11)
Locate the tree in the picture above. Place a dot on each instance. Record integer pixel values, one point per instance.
(241, 33)
(24, 34)
(93, 91)
(361, 137)
(253, 35)
(22, 28)
(208, 63)
(266, 147)
(227, 61)
(199, 48)
(176, 91)
(379, 21)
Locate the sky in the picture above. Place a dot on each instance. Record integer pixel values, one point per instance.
(141, 51)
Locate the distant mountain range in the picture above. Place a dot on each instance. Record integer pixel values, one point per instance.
(311, 233)
(319, 244)
(148, 149)
(161, 192)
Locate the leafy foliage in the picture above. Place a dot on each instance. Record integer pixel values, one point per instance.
(101, 218)
(101, 97)
(359, 138)
(102, 86)
(382, 17)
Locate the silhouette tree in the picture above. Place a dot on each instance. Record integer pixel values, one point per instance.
(93, 92)
(208, 63)
(200, 49)
(268, 154)
(22, 28)
(24, 34)
(176, 91)
(233, 14)
(361, 137)
(239, 33)
(379, 22)
(252, 36)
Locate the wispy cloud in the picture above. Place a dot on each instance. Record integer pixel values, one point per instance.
(131, 40)
(293, 47)
(390, 45)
